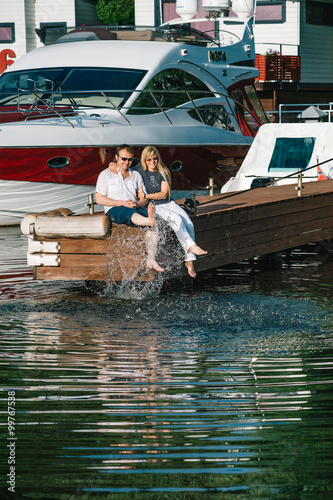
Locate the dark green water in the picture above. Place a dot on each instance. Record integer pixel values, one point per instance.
(220, 392)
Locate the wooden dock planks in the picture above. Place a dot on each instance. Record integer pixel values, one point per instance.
(264, 220)
(231, 228)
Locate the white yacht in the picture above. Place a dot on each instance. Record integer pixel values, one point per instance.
(65, 107)
(282, 151)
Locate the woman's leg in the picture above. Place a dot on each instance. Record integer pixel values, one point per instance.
(176, 223)
(190, 268)
(184, 228)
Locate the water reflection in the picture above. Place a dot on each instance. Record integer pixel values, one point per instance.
(213, 393)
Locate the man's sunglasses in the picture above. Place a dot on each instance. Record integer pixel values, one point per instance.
(126, 159)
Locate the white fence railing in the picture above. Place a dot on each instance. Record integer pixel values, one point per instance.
(289, 112)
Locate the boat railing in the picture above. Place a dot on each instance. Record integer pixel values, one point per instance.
(292, 113)
(178, 33)
(38, 93)
(37, 102)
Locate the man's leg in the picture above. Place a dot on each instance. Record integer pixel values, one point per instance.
(122, 215)
(151, 236)
(140, 220)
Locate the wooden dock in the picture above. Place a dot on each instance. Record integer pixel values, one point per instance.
(230, 227)
(263, 221)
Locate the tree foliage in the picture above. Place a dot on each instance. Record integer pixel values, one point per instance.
(116, 12)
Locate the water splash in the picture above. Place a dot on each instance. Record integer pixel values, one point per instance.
(127, 274)
(132, 290)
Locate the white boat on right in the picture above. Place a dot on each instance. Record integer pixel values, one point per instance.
(279, 150)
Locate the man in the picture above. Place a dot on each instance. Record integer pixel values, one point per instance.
(119, 195)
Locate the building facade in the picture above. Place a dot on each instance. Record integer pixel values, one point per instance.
(20, 18)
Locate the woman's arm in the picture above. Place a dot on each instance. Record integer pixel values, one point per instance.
(161, 195)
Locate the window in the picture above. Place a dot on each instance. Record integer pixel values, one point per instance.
(270, 11)
(167, 90)
(249, 110)
(7, 32)
(255, 103)
(291, 153)
(71, 86)
(319, 13)
(214, 115)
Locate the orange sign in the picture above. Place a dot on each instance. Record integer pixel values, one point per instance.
(4, 61)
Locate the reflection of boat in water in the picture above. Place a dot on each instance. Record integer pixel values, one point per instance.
(64, 107)
(278, 152)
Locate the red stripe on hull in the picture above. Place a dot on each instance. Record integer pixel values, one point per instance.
(199, 164)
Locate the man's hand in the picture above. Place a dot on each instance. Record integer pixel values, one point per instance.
(113, 167)
(129, 204)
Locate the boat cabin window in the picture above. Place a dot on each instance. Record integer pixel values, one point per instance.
(167, 90)
(291, 153)
(256, 105)
(250, 113)
(214, 115)
(70, 86)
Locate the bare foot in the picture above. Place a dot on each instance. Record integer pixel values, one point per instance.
(151, 214)
(197, 250)
(152, 264)
(190, 268)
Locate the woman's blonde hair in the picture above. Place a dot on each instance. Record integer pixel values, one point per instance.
(161, 168)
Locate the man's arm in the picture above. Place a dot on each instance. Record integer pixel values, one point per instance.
(109, 202)
(102, 199)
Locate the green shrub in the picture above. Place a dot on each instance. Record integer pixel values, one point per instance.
(116, 12)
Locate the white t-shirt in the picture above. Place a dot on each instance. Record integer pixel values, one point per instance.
(115, 187)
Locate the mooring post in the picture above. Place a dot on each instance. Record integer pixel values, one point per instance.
(211, 186)
(299, 182)
(90, 203)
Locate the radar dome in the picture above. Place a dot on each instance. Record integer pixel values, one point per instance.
(215, 5)
(243, 8)
(187, 9)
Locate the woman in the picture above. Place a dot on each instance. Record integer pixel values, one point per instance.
(157, 181)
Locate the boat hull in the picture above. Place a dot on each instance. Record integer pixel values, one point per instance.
(28, 184)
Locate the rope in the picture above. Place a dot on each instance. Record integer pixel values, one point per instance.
(268, 184)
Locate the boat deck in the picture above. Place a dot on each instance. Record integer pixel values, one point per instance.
(231, 227)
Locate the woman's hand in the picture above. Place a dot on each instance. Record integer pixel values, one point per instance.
(141, 194)
(113, 167)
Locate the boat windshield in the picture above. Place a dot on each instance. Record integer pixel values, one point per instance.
(291, 153)
(91, 87)
(250, 113)
(168, 89)
(168, 33)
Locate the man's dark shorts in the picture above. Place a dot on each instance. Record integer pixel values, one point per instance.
(122, 215)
